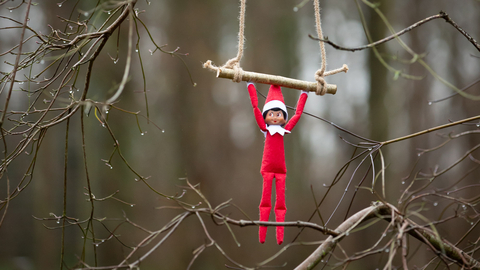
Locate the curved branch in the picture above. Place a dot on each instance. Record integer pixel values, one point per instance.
(15, 67)
(384, 40)
(385, 211)
(442, 15)
(325, 248)
(107, 32)
(450, 21)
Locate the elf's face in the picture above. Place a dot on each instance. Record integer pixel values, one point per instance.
(275, 118)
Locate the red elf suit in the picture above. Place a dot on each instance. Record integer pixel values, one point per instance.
(273, 161)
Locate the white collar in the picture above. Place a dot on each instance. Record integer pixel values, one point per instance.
(272, 129)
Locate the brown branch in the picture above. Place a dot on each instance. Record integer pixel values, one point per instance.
(440, 246)
(442, 15)
(384, 40)
(431, 129)
(454, 94)
(450, 21)
(331, 241)
(15, 67)
(107, 32)
(243, 223)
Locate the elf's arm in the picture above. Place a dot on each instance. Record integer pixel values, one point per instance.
(298, 112)
(256, 111)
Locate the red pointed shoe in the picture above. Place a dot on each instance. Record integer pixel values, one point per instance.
(280, 233)
(262, 234)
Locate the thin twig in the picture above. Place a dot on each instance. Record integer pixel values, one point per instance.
(15, 67)
(442, 15)
(384, 40)
(431, 130)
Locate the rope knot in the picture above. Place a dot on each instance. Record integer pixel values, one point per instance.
(238, 73)
(234, 64)
(321, 83)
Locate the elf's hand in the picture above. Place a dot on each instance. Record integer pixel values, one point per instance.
(249, 82)
(304, 92)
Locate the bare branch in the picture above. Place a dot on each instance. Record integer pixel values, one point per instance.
(450, 21)
(15, 67)
(243, 223)
(331, 241)
(386, 212)
(384, 40)
(442, 15)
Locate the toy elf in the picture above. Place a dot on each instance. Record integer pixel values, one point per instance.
(273, 122)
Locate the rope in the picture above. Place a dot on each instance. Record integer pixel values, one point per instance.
(234, 63)
(320, 74)
(344, 68)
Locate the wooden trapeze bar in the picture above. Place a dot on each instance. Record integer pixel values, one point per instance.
(247, 76)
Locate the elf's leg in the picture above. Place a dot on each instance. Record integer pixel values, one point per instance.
(265, 204)
(280, 206)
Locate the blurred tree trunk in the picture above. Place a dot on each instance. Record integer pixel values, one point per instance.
(378, 112)
(417, 104)
(200, 132)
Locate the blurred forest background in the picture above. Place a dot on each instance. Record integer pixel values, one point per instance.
(194, 126)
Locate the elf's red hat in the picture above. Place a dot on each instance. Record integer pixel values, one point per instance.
(275, 100)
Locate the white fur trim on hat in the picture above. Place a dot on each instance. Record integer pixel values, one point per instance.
(275, 104)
